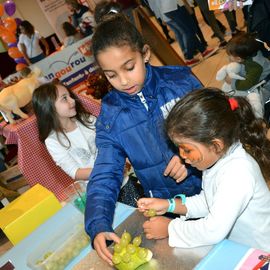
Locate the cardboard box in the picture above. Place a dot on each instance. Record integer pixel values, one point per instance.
(19, 218)
(12, 178)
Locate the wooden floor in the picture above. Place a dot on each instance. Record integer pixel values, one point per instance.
(207, 69)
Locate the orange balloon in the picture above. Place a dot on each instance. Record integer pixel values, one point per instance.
(10, 24)
(1, 10)
(14, 53)
(2, 30)
(20, 66)
(9, 37)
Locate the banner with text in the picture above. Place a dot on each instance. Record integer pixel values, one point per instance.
(71, 65)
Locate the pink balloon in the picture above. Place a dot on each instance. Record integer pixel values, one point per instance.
(10, 7)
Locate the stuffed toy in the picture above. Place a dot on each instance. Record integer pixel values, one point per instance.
(232, 70)
(18, 95)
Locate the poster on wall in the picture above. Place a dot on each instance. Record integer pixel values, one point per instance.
(56, 13)
(71, 65)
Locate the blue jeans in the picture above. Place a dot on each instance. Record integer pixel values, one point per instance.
(185, 31)
(35, 59)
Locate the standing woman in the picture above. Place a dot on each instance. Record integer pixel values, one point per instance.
(29, 43)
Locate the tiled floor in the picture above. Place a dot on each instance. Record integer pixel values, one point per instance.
(205, 71)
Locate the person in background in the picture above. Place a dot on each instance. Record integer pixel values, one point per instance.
(259, 23)
(29, 43)
(234, 202)
(81, 17)
(130, 125)
(184, 27)
(162, 24)
(72, 35)
(245, 49)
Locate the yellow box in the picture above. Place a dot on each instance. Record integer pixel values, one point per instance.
(22, 216)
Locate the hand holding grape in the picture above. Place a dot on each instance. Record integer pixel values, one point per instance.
(149, 205)
(101, 247)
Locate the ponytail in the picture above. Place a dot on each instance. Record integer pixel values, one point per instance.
(253, 135)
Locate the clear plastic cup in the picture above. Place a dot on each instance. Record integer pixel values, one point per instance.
(76, 194)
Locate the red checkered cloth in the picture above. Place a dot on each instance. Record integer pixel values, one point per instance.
(34, 161)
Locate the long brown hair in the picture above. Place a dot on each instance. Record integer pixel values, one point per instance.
(204, 115)
(43, 101)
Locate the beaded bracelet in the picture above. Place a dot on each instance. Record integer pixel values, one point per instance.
(171, 207)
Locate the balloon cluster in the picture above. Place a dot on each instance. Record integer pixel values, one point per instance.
(8, 28)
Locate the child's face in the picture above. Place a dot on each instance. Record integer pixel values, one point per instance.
(197, 154)
(124, 68)
(64, 104)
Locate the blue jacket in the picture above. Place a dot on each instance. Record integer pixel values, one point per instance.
(126, 129)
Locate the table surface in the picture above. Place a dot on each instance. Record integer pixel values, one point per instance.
(164, 257)
(19, 253)
(34, 161)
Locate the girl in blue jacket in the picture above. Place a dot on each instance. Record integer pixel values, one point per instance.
(130, 125)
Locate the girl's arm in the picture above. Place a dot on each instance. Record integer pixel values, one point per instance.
(224, 208)
(23, 50)
(61, 157)
(83, 173)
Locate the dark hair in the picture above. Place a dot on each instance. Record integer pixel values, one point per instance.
(43, 101)
(204, 115)
(105, 8)
(69, 29)
(243, 45)
(28, 27)
(116, 31)
(73, 3)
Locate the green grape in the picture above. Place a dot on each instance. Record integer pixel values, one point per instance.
(126, 258)
(142, 253)
(151, 213)
(117, 248)
(116, 259)
(137, 241)
(123, 242)
(126, 236)
(131, 249)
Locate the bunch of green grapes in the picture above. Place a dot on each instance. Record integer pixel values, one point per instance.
(151, 213)
(128, 255)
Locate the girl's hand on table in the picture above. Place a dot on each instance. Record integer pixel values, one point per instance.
(176, 169)
(156, 228)
(101, 247)
(159, 205)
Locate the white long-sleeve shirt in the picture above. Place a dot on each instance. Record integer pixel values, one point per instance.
(234, 204)
(82, 151)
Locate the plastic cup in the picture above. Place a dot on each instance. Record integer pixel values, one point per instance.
(76, 194)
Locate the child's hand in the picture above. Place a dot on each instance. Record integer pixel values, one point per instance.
(176, 169)
(156, 228)
(101, 247)
(159, 205)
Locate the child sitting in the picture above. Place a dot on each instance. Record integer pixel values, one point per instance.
(244, 49)
(221, 137)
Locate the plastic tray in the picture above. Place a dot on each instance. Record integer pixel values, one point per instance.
(61, 247)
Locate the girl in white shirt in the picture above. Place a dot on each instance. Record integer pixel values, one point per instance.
(221, 137)
(67, 129)
(29, 43)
